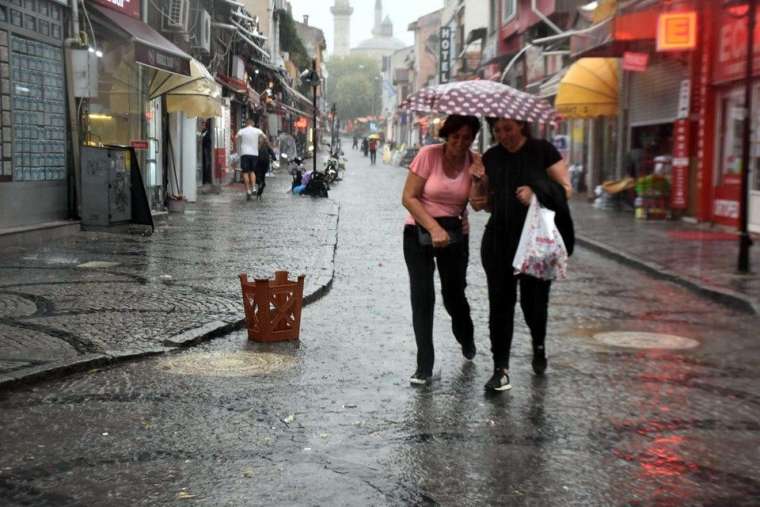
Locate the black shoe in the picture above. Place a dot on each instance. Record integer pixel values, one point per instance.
(499, 381)
(469, 350)
(539, 360)
(421, 379)
(539, 364)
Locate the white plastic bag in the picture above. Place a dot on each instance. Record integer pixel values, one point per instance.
(541, 252)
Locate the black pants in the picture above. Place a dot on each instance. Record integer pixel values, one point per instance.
(372, 156)
(452, 269)
(502, 297)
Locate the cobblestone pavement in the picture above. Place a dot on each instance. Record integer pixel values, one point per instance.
(690, 254)
(96, 296)
(332, 420)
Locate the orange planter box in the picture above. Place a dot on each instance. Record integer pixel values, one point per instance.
(272, 307)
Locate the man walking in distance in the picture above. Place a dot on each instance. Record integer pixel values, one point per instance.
(247, 140)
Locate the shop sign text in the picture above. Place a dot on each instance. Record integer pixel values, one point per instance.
(635, 62)
(731, 47)
(128, 7)
(444, 66)
(680, 168)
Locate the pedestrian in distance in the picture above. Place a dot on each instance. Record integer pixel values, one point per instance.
(365, 146)
(265, 158)
(513, 171)
(373, 151)
(355, 144)
(436, 233)
(247, 140)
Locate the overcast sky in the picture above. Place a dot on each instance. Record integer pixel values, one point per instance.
(401, 12)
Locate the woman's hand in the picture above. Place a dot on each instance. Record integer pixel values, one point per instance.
(440, 237)
(477, 169)
(524, 195)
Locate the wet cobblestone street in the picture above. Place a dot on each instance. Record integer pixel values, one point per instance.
(332, 420)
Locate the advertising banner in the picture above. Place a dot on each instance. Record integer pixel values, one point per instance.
(128, 7)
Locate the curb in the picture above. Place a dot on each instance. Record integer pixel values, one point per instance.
(726, 297)
(184, 339)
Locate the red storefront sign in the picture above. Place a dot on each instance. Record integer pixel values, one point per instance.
(128, 7)
(679, 185)
(731, 46)
(139, 144)
(635, 62)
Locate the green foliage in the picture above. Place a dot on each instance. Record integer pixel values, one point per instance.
(291, 42)
(352, 85)
(652, 185)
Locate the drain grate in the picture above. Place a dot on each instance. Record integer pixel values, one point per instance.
(227, 364)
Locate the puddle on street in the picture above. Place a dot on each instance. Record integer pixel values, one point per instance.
(227, 363)
(642, 340)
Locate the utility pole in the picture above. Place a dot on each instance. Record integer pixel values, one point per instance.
(745, 242)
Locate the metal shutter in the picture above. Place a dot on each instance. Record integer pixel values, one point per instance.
(654, 93)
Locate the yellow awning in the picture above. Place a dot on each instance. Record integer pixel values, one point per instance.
(589, 89)
(196, 95)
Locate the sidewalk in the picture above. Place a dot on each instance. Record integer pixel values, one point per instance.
(97, 297)
(695, 256)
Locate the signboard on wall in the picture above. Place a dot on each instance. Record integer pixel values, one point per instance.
(680, 169)
(635, 62)
(444, 56)
(677, 31)
(128, 7)
(731, 47)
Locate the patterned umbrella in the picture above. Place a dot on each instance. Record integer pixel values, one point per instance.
(480, 98)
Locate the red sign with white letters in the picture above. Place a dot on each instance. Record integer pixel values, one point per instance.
(679, 184)
(128, 7)
(635, 62)
(731, 46)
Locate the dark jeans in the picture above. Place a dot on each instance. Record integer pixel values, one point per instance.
(502, 296)
(372, 156)
(452, 270)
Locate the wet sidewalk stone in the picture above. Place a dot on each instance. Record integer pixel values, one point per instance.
(697, 256)
(96, 296)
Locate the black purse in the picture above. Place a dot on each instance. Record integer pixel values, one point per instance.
(453, 226)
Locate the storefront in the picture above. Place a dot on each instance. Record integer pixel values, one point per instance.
(136, 59)
(34, 173)
(727, 100)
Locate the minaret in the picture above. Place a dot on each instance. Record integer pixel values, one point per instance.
(341, 12)
(378, 18)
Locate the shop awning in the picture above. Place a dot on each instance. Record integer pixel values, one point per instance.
(589, 89)
(197, 95)
(151, 48)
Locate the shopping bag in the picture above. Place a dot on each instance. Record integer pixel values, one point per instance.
(541, 252)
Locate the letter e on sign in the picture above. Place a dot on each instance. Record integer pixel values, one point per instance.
(677, 31)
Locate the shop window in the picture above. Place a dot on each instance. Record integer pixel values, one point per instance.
(17, 19)
(755, 146)
(730, 149)
(3, 14)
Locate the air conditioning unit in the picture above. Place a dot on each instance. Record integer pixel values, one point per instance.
(176, 15)
(202, 36)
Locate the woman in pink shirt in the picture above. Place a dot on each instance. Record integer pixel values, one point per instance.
(436, 233)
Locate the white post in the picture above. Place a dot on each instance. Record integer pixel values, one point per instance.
(189, 158)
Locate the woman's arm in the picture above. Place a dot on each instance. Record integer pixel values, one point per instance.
(479, 189)
(410, 198)
(559, 173)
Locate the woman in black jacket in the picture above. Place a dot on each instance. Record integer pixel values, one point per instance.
(514, 170)
(266, 155)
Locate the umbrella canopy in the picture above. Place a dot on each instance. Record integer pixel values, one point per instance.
(480, 98)
(374, 136)
(589, 89)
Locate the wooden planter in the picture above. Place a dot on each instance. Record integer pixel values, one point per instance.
(272, 307)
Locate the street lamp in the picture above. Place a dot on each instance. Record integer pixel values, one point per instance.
(310, 77)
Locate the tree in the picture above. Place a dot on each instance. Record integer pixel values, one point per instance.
(355, 85)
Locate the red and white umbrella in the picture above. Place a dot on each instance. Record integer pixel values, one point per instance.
(480, 98)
